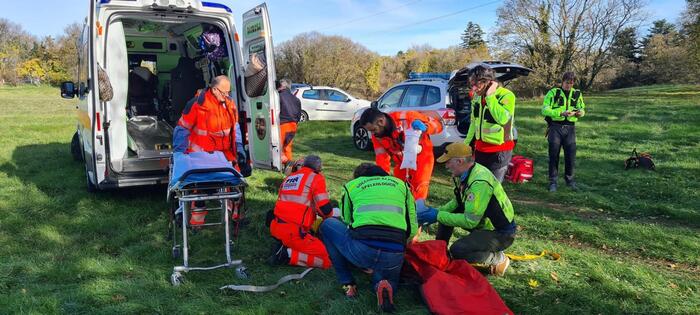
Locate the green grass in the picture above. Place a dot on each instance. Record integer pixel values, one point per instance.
(629, 239)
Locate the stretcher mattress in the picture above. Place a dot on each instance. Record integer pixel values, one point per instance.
(202, 167)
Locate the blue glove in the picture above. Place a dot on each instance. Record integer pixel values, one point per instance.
(419, 125)
(420, 205)
(181, 139)
(427, 216)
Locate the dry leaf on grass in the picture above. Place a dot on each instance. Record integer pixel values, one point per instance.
(554, 276)
(533, 283)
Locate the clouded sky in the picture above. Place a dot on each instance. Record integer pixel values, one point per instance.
(383, 26)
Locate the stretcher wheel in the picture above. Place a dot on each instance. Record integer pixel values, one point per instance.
(242, 272)
(176, 252)
(176, 279)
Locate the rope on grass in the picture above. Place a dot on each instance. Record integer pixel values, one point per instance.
(525, 257)
(255, 288)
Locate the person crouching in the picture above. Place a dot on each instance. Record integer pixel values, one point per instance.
(302, 196)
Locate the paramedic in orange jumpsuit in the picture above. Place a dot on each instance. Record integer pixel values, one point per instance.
(388, 139)
(302, 197)
(209, 123)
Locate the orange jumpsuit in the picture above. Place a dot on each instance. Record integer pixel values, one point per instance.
(211, 125)
(287, 132)
(301, 196)
(390, 148)
(212, 128)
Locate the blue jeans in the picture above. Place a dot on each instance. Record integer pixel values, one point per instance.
(345, 252)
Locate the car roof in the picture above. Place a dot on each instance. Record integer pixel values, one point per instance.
(432, 82)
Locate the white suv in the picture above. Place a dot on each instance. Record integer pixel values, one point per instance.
(433, 94)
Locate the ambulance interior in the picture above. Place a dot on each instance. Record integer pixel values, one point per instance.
(155, 68)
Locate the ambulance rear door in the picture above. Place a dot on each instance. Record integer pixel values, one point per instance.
(262, 119)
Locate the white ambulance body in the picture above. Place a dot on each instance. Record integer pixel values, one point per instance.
(155, 58)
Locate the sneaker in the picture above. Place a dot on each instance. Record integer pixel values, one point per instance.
(572, 185)
(350, 290)
(385, 296)
(552, 187)
(500, 268)
(279, 256)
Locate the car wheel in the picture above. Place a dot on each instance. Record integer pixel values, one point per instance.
(304, 116)
(361, 139)
(75, 149)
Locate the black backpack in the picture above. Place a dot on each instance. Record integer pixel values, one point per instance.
(640, 160)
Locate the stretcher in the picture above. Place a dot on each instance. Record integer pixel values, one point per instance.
(201, 177)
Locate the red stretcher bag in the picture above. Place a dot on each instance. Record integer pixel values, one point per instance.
(452, 287)
(520, 169)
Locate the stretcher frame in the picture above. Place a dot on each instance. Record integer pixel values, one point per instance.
(183, 196)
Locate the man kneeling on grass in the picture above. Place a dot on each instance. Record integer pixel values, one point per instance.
(378, 218)
(480, 205)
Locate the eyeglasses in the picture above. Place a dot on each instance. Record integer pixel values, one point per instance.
(224, 94)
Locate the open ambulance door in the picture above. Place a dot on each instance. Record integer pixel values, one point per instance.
(259, 85)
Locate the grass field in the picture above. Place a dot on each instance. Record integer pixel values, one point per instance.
(629, 240)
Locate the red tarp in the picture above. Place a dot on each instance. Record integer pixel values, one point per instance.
(452, 287)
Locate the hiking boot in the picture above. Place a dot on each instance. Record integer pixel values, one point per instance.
(385, 296)
(552, 187)
(572, 185)
(279, 256)
(350, 290)
(500, 268)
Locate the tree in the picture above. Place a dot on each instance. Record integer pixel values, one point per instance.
(14, 45)
(690, 21)
(661, 27)
(554, 36)
(666, 62)
(372, 75)
(625, 45)
(324, 60)
(472, 37)
(31, 71)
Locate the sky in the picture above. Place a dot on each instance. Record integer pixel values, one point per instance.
(383, 26)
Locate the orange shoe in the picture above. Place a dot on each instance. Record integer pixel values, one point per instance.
(500, 268)
(385, 296)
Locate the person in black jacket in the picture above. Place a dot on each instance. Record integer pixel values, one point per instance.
(290, 113)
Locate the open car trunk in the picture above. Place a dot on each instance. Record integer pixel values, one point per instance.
(458, 88)
(155, 68)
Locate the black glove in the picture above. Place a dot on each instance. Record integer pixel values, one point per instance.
(245, 168)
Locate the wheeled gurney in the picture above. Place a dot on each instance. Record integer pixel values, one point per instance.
(210, 178)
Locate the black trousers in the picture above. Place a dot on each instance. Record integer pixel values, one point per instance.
(480, 246)
(496, 162)
(562, 136)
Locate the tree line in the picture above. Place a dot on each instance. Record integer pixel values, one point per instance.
(597, 39)
(25, 58)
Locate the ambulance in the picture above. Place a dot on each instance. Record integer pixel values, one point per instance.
(141, 61)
